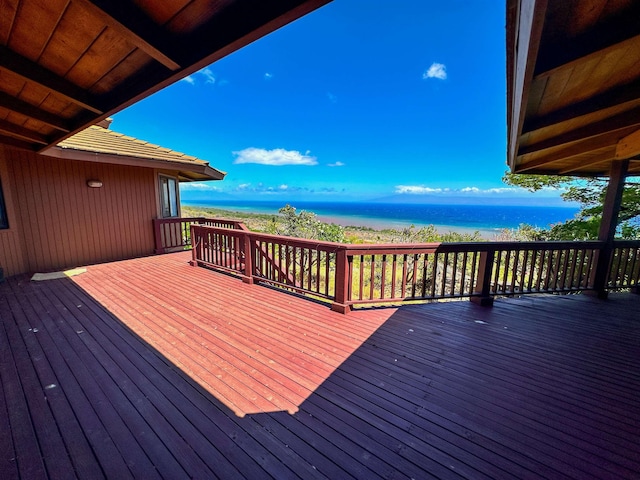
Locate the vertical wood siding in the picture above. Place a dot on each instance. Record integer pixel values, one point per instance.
(65, 223)
(12, 258)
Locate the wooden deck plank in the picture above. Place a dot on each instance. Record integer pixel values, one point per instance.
(49, 446)
(76, 445)
(174, 458)
(25, 453)
(432, 391)
(214, 424)
(127, 458)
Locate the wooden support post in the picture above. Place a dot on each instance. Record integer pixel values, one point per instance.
(608, 225)
(340, 303)
(482, 293)
(194, 246)
(248, 259)
(157, 236)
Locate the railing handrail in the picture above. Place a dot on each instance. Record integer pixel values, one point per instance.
(174, 233)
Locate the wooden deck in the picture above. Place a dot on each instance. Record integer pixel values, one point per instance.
(150, 368)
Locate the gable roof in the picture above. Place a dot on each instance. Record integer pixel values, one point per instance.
(67, 65)
(99, 144)
(573, 86)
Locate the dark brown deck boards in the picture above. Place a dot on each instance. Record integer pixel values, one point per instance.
(150, 368)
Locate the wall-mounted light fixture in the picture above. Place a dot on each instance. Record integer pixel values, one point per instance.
(94, 183)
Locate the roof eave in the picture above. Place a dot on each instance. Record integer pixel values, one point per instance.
(190, 172)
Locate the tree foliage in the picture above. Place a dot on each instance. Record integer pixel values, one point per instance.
(429, 234)
(589, 194)
(304, 225)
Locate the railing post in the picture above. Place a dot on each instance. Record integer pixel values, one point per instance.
(482, 292)
(340, 303)
(248, 259)
(157, 236)
(194, 246)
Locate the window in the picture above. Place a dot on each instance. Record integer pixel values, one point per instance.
(4, 221)
(169, 196)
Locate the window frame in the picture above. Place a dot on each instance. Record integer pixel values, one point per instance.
(4, 218)
(166, 196)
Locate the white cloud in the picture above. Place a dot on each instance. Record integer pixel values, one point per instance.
(208, 75)
(422, 190)
(503, 190)
(244, 186)
(275, 157)
(268, 76)
(336, 164)
(201, 186)
(283, 187)
(416, 189)
(436, 70)
(332, 98)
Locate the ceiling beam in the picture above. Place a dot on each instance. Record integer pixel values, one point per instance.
(621, 121)
(136, 27)
(526, 40)
(605, 157)
(22, 133)
(615, 97)
(14, 142)
(607, 36)
(573, 150)
(15, 105)
(32, 72)
(628, 146)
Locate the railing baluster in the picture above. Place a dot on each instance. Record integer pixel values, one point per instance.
(404, 276)
(472, 278)
(434, 274)
(425, 269)
(463, 272)
(384, 276)
(372, 276)
(394, 266)
(633, 280)
(454, 274)
(361, 289)
(496, 278)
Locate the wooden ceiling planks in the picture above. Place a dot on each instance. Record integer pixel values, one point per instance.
(34, 25)
(8, 12)
(585, 91)
(67, 64)
(195, 15)
(162, 12)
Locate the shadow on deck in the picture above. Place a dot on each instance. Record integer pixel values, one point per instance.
(152, 369)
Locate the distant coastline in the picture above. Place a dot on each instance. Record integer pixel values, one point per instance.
(488, 220)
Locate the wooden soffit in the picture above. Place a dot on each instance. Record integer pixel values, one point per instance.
(68, 64)
(573, 86)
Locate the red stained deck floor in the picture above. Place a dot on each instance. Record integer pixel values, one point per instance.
(150, 368)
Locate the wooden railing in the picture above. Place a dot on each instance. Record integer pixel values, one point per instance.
(624, 271)
(349, 275)
(173, 234)
(295, 264)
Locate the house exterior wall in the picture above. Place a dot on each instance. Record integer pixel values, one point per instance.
(61, 222)
(12, 259)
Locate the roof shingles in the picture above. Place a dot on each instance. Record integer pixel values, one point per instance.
(97, 139)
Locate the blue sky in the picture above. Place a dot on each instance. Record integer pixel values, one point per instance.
(357, 100)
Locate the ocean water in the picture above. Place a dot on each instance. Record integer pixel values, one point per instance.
(484, 218)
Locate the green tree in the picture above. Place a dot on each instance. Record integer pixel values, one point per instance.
(589, 194)
(304, 225)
